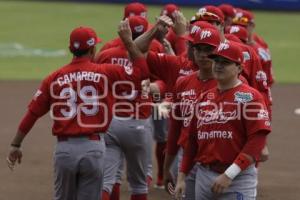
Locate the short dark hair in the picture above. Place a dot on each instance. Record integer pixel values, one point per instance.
(79, 53)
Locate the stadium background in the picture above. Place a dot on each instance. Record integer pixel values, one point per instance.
(33, 42)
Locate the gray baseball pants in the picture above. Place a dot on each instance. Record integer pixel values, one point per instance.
(243, 187)
(78, 169)
(128, 137)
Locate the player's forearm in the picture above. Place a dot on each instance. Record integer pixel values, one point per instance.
(143, 41)
(18, 139)
(133, 51)
(249, 155)
(169, 159)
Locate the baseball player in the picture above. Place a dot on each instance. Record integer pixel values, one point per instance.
(211, 14)
(134, 9)
(177, 43)
(229, 13)
(186, 91)
(131, 120)
(79, 97)
(252, 70)
(246, 19)
(227, 133)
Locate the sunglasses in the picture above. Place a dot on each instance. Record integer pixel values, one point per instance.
(206, 16)
(241, 20)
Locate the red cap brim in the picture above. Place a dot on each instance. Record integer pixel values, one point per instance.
(98, 40)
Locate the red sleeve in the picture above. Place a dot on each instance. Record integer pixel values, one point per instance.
(255, 144)
(178, 43)
(156, 46)
(256, 116)
(27, 122)
(190, 149)
(175, 125)
(40, 104)
(165, 67)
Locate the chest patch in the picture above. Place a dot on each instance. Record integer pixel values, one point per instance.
(242, 97)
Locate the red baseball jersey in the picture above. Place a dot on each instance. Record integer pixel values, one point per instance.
(132, 104)
(155, 45)
(254, 73)
(186, 93)
(222, 124)
(79, 95)
(178, 43)
(266, 61)
(168, 68)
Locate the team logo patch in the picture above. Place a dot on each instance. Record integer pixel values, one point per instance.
(243, 97)
(261, 76)
(234, 29)
(205, 34)
(264, 54)
(263, 114)
(223, 46)
(139, 28)
(143, 14)
(246, 56)
(267, 123)
(195, 29)
(201, 11)
(91, 42)
(76, 45)
(128, 69)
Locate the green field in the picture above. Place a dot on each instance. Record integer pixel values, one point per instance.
(32, 33)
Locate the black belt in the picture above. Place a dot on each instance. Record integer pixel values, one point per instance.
(216, 167)
(61, 138)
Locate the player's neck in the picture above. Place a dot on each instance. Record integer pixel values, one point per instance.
(226, 85)
(205, 74)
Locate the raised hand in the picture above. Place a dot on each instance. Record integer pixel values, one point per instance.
(124, 31)
(180, 23)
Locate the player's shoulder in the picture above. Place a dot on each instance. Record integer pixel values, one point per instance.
(188, 78)
(245, 93)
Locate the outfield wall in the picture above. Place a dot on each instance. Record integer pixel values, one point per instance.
(292, 5)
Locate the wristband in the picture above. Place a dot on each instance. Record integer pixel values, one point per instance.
(15, 145)
(242, 161)
(232, 171)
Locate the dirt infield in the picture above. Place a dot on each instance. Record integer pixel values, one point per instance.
(279, 178)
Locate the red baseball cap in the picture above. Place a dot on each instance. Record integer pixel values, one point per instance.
(243, 17)
(232, 37)
(209, 13)
(230, 51)
(135, 8)
(238, 31)
(197, 26)
(169, 9)
(83, 38)
(227, 9)
(206, 36)
(138, 24)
